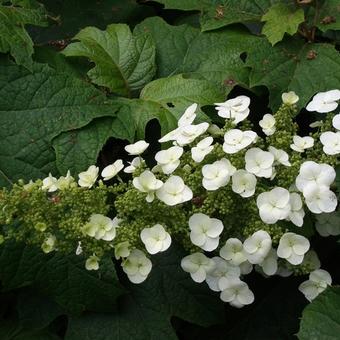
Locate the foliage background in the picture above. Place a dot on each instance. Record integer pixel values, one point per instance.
(66, 103)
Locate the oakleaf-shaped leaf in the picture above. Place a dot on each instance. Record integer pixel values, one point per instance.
(124, 62)
(294, 66)
(281, 19)
(145, 313)
(13, 37)
(329, 16)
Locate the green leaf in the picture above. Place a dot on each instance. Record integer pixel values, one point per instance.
(145, 313)
(214, 56)
(124, 61)
(329, 16)
(13, 37)
(321, 318)
(281, 19)
(187, 5)
(294, 66)
(63, 278)
(35, 108)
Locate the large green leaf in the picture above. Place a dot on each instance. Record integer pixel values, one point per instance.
(329, 16)
(35, 108)
(63, 278)
(281, 19)
(294, 65)
(13, 37)
(321, 319)
(213, 55)
(124, 61)
(145, 313)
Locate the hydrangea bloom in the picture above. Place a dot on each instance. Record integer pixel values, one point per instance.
(205, 231)
(324, 102)
(236, 109)
(280, 156)
(293, 247)
(49, 244)
(300, 144)
(202, 149)
(320, 199)
(88, 177)
(217, 175)
(236, 140)
(268, 124)
(134, 164)
(331, 142)
(65, 182)
(137, 148)
(168, 159)
(274, 205)
(259, 162)
(336, 121)
(174, 191)
(257, 246)
(237, 293)
(290, 98)
(318, 281)
(92, 263)
(101, 227)
(112, 170)
(218, 278)
(155, 239)
(244, 183)
(122, 250)
(296, 213)
(328, 224)
(198, 265)
(233, 251)
(269, 264)
(137, 266)
(148, 183)
(188, 116)
(50, 183)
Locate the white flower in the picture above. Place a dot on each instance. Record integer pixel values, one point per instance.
(122, 250)
(50, 183)
(137, 148)
(205, 231)
(155, 239)
(274, 205)
(320, 199)
(198, 265)
(268, 124)
(236, 108)
(137, 266)
(186, 134)
(331, 142)
(300, 144)
(174, 191)
(269, 264)
(237, 293)
(188, 116)
(257, 246)
(289, 98)
(49, 244)
(101, 227)
(88, 178)
(65, 182)
(328, 224)
(112, 170)
(92, 263)
(246, 267)
(168, 159)
(244, 183)
(259, 163)
(296, 213)
(336, 121)
(292, 247)
(314, 173)
(236, 140)
(318, 281)
(217, 175)
(280, 156)
(324, 101)
(202, 149)
(147, 182)
(218, 278)
(233, 251)
(134, 164)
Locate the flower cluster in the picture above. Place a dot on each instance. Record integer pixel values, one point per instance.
(233, 197)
